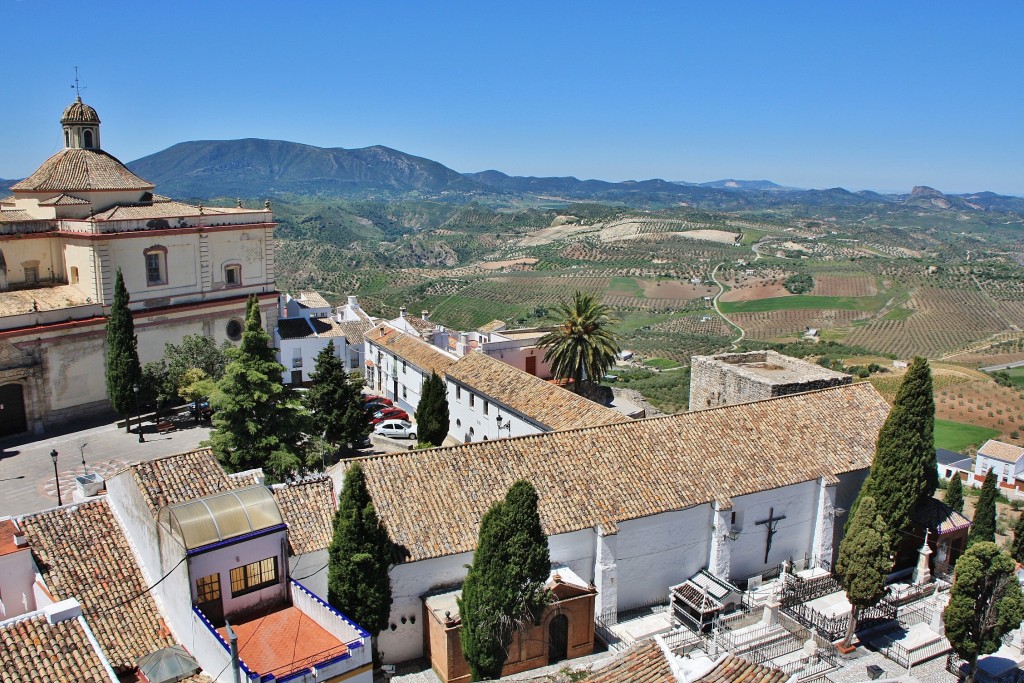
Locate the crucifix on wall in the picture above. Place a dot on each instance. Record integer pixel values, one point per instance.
(770, 525)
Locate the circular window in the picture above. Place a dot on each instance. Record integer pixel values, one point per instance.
(234, 329)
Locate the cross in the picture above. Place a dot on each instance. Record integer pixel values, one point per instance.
(770, 524)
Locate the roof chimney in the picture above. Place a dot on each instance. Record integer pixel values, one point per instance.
(425, 314)
(353, 302)
(402, 311)
(62, 611)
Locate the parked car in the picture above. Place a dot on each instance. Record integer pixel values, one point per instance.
(201, 409)
(396, 429)
(371, 408)
(389, 414)
(371, 398)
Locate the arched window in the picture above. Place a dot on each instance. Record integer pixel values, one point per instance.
(74, 275)
(87, 139)
(67, 137)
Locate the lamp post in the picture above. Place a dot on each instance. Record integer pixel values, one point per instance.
(56, 477)
(138, 413)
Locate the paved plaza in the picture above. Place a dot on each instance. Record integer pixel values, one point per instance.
(26, 470)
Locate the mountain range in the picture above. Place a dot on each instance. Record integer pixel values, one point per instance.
(256, 168)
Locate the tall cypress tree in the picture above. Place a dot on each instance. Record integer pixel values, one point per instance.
(985, 603)
(1017, 547)
(863, 561)
(334, 403)
(955, 493)
(432, 414)
(122, 368)
(984, 528)
(360, 555)
(257, 421)
(504, 587)
(903, 473)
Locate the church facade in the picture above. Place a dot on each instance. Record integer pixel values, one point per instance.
(66, 231)
(636, 507)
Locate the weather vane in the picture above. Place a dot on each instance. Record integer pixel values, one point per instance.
(78, 88)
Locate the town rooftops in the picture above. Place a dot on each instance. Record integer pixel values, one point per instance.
(997, 450)
(733, 669)
(180, 478)
(633, 469)
(83, 170)
(424, 356)
(33, 649)
(311, 300)
(308, 508)
(11, 539)
(303, 328)
(643, 663)
(83, 553)
(773, 368)
(538, 400)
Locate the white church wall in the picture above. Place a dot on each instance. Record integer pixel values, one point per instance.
(42, 253)
(180, 265)
(576, 551)
(79, 255)
(653, 553)
(409, 582)
(793, 535)
(74, 365)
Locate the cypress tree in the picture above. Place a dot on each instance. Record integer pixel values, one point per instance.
(257, 421)
(432, 412)
(1017, 547)
(903, 473)
(504, 587)
(334, 402)
(985, 603)
(360, 555)
(984, 528)
(955, 493)
(123, 371)
(863, 562)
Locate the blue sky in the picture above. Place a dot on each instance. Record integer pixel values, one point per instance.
(879, 95)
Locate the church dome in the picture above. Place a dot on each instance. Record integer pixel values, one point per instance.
(79, 112)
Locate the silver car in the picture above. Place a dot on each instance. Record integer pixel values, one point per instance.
(396, 429)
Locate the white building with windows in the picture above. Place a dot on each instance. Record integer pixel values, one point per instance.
(306, 325)
(1006, 459)
(65, 233)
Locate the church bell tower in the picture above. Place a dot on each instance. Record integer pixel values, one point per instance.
(81, 126)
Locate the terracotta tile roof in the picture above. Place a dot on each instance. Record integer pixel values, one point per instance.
(423, 355)
(302, 328)
(492, 326)
(354, 331)
(643, 663)
(734, 669)
(308, 509)
(634, 468)
(16, 216)
(125, 212)
(311, 300)
(419, 324)
(182, 477)
(8, 538)
(935, 515)
(1001, 451)
(83, 553)
(71, 170)
(541, 401)
(63, 200)
(19, 301)
(32, 649)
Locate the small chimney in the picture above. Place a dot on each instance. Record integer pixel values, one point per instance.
(62, 611)
(425, 314)
(402, 311)
(463, 338)
(353, 302)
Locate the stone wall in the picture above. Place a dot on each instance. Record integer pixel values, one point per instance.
(732, 378)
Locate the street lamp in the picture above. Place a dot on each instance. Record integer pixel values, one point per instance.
(56, 477)
(138, 413)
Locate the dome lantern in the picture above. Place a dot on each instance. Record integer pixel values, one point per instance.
(81, 126)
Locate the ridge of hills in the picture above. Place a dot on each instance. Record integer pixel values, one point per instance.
(261, 168)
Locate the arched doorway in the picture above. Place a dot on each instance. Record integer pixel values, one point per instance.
(558, 639)
(12, 410)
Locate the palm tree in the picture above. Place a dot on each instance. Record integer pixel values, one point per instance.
(582, 348)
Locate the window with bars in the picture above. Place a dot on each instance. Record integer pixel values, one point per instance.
(156, 266)
(208, 588)
(253, 576)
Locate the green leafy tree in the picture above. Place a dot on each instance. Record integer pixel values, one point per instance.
(432, 412)
(985, 603)
(195, 352)
(984, 527)
(359, 557)
(504, 588)
(335, 402)
(1017, 547)
(863, 562)
(903, 473)
(955, 493)
(123, 371)
(156, 386)
(582, 348)
(257, 421)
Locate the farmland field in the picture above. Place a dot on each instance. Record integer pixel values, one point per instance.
(957, 436)
(800, 302)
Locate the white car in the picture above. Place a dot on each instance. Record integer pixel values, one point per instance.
(396, 429)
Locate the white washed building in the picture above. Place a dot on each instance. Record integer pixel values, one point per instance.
(306, 325)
